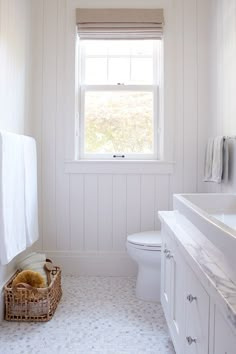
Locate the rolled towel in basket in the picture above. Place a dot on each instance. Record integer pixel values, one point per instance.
(31, 258)
(34, 261)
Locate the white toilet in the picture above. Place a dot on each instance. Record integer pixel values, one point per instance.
(145, 249)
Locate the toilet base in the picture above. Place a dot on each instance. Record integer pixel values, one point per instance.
(148, 284)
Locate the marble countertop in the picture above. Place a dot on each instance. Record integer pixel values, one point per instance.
(205, 259)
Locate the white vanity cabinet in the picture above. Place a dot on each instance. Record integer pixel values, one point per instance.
(185, 302)
(195, 322)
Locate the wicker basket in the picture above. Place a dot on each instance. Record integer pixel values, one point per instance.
(32, 304)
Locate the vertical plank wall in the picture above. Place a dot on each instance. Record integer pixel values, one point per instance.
(15, 87)
(223, 82)
(86, 216)
(192, 95)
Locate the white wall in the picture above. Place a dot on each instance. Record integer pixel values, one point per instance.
(223, 81)
(15, 65)
(15, 78)
(87, 209)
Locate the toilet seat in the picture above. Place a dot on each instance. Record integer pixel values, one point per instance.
(149, 240)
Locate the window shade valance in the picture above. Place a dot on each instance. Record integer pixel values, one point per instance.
(120, 23)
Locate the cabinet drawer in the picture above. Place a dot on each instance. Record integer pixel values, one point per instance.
(197, 316)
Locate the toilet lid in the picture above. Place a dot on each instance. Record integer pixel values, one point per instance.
(148, 238)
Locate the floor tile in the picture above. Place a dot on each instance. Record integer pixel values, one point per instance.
(97, 315)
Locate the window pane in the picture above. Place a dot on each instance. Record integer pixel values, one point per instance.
(119, 122)
(96, 47)
(96, 70)
(119, 70)
(142, 47)
(142, 70)
(118, 48)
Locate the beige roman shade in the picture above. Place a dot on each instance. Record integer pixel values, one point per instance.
(120, 23)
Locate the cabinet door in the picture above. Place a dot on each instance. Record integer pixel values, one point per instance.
(166, 273)
(197, 316)
(224, 337)
(172, 292)
(177, 299)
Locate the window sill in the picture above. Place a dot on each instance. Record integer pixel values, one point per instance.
(119, 167)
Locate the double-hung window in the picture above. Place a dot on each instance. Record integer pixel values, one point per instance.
(119, 97)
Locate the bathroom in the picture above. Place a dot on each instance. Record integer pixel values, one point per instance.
(88, 207)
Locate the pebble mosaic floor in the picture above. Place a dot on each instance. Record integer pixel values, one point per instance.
(97, 315)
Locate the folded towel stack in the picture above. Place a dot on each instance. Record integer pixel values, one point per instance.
(216, 160)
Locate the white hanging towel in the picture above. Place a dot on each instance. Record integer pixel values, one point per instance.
(216, 161)
(208, 160)
(225, 176)
(12, 197)
(31, 196)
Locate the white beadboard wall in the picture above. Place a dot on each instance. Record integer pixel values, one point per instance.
(15, 81)
(223, 82)
(15, 65)
(88, 209)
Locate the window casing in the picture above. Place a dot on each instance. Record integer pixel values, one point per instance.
(112, 75)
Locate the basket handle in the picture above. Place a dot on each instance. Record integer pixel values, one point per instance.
(48, 267)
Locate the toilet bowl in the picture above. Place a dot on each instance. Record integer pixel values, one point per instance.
(145, 249)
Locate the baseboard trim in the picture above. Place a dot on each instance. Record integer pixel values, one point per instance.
(93, 263)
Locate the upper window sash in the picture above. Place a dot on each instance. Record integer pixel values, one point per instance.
(155, 56)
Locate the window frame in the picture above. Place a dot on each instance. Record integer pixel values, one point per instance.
(155, 88)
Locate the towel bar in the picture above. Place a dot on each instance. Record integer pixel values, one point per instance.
(230, 137)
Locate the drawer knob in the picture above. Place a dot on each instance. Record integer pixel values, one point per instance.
(190, 298)
(169, 255)
(191, 340)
